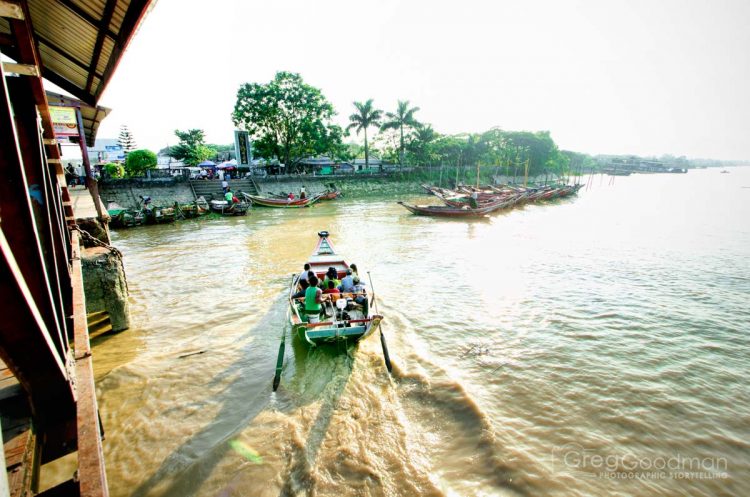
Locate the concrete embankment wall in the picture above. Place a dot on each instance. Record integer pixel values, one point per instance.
(126, 192)
(168, 191)
(350, 187)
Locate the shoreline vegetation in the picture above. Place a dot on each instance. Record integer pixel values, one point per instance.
(291, 122)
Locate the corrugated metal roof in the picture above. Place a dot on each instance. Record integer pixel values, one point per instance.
(81, 41)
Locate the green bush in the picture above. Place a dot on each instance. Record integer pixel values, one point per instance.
(140, 161)
(114, 170)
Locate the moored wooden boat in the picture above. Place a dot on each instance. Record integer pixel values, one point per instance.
(282, 203)
(449, 211)
(342, 319)
(236, 209)
(121, 217)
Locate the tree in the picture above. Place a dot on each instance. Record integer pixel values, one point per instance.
(139, 161)
(126, 140)
(286, 118)
(402, 118)
(421, 144)
(114, 170)
(365, 117)
(192, 148)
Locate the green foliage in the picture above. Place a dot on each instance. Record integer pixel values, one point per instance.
(286, 118)
(402, 119)
(192, 148)
(114, 170)
(364, 117)
(139, 161)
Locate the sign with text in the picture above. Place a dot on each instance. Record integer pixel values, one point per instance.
(64, 121)
(243, 148)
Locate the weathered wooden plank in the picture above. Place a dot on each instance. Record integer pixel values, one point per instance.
(92, 477)
(22, 69)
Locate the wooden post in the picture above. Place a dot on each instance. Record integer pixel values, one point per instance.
(91, 182)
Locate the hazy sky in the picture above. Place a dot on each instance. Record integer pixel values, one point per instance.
(642, 77)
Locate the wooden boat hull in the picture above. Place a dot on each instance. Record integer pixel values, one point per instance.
(330, 195)
(353, 323)
(282, 203)
(454, 212)
(125, 218)
(330, 333)
(223, 208)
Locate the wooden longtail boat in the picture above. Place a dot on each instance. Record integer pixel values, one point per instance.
(282, 203)
(222, 207)
(121, 217)
(330, 195)
(343, 319)
(448, 211)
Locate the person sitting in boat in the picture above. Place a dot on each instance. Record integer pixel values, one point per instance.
(313, 301)
(353, 267)
(331, 275)
(305, 274)
(331, 289)
(347, 283)
(301, 293)
(360, 295)
(290, 196)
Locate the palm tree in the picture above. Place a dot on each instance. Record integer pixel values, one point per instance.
(365, 117)
(421, 138)
(404, 116)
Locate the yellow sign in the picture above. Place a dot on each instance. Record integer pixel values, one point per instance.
(63, 115)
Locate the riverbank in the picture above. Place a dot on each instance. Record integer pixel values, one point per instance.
(167, 191)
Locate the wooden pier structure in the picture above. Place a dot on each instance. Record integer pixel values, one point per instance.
(48, 405)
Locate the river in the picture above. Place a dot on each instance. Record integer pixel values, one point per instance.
(585, 347)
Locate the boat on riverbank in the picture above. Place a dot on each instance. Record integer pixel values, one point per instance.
(282, 203)
(345, 316)
(456, 212)
(120, 217)
(235, 209)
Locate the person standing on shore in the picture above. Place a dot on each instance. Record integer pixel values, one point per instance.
(225, 185)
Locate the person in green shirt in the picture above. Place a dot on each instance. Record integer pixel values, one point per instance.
(313, 301)
(331, 275)
(228, 197)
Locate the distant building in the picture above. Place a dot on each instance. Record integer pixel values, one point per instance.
(325, 165)
(359, 164)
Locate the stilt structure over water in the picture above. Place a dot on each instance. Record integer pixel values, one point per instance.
(48, 405)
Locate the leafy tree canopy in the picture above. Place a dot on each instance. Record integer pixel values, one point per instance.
(192, 148)
(140, 161)
(114, 170)
(287, 118)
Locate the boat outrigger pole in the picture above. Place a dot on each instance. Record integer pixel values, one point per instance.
(386, 355)
(280, 359)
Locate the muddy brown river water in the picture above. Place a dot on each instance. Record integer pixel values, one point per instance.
(588, 347)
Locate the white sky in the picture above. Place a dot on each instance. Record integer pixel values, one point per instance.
(642, 77)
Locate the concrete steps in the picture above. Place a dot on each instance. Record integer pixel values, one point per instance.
(98, 323)
(211, 189)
